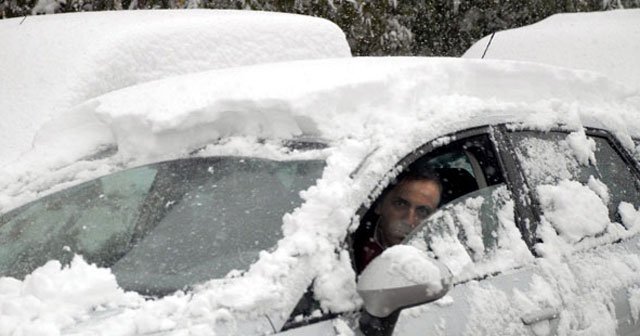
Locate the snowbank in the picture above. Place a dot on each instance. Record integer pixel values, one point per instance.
(51, 63)
(606, 42)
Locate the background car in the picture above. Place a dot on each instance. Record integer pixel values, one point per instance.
(570, 40)
(228, 201)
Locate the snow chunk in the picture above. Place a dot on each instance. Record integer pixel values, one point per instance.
(599, 188)
(573, 209)
(54, 297)
(634, 303)
(336, 286)
(583, 147)
(630, 216)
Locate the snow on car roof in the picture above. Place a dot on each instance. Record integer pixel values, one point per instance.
(330, 95)
(369, 99)
(606, 42)
(49, 63)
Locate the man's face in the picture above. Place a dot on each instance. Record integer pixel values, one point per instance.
(404, 207)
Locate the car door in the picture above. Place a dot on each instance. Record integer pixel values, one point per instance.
(587, 194)
(478, 236)
(508, 277)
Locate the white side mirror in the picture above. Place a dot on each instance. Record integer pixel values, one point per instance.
(401, 277)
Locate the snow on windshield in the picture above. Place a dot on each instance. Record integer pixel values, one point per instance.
(605, 42)
(51, 63)
(378, 109)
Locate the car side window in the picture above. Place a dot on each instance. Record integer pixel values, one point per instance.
(474, 232)
(550, 158)
(475, 235)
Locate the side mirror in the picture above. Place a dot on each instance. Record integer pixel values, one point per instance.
(401, 277)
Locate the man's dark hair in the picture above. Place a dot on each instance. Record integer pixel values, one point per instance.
(413, 174)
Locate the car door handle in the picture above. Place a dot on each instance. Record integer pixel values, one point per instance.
(540, 315)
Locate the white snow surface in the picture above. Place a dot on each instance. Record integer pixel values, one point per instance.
(569, 203)
(334, 99)
(606, 42)
(50, 63)
(371, 112)
(403, 266)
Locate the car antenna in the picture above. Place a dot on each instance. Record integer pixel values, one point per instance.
(488, 45)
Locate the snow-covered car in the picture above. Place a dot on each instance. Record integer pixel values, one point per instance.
(604, 42)
(50, 63)
(232, 201)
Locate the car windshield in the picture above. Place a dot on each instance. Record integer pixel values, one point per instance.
(161, 227)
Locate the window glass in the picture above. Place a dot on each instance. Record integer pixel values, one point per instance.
(614, 172)
(474, 231)
(549, 158)
(463, 166)
(474, 235)
(161, 227)
(95, 219)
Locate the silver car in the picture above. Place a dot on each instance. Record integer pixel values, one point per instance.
(236, 201)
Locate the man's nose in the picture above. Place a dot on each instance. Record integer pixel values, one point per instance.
(412, 217)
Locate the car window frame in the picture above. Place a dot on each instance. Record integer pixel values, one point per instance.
(527, 193)
(429, 147)
(527, 210)
(526, 214)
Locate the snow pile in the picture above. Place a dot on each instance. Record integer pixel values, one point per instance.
(312, 96)
(51, 63)
(574, 210)
(575, 217)
(630, 216)
(52, 298)
(582, 147)
(605, 42)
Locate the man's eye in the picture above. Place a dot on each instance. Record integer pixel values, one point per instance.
(424, 212)
(400, 203)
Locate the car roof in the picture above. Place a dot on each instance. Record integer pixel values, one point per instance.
(50, 63)
(606, 42)
(316, 98)
(392, 103)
